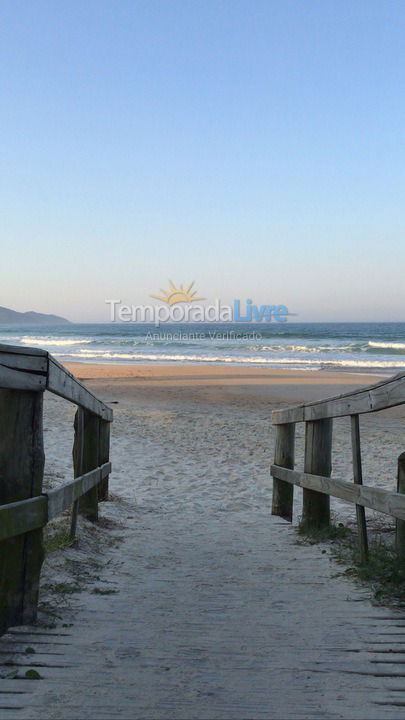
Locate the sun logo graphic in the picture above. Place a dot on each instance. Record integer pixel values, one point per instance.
(177, 294)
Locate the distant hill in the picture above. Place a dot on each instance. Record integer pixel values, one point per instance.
(12, 317)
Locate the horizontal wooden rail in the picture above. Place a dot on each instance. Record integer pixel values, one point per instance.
(20, 517)
(62, 497)
(381, 395)
(389, 503)
(63, 383)
(25, 515)
(35, 369)
(316, 481)
(20, 371)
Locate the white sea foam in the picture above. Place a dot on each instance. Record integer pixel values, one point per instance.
(302, 348)
(387, 345)
(29, 340)
(253, 360)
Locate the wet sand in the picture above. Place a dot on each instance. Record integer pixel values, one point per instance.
(208, 373)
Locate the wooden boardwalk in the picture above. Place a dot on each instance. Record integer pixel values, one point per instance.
(202, 605)
(241, 624)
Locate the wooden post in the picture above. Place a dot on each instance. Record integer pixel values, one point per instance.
(21, 476)
(78, 446)
(318, 461)
(400, 524)
(358, 479)
(86, 458)
(104, 456)
(283, 492)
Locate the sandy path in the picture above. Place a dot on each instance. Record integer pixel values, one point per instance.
(214, 611)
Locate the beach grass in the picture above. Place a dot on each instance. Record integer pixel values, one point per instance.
(383, 572)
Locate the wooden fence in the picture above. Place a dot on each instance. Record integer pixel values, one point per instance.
(25, 373)
(316, 482)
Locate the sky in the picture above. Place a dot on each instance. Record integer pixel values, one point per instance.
(256, 147)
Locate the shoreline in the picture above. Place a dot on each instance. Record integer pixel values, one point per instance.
(217, 374)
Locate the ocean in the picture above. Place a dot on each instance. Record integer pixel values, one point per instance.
(373, 347)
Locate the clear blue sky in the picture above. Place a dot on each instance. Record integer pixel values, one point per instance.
(254, 146)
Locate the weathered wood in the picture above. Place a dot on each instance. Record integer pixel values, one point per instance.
(24, 374)
(358, 479)
(63, 383)
(59, 499)
(21, 473)
(400, 524)
(389, 503)
(78, 448)
(15, 379)
(73, 519)
(104, 456)
(29, 363)
(35, 369)
(381, 395)
(22, 370)
(19, 517)
(20, 350)
(318, 461)
(85, 457)
(283, 493)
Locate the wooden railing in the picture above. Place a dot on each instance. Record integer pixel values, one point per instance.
(315, 480)
(25, 508)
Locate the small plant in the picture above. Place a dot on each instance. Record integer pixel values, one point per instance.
(63, 588)
(104, 591)
(29, 651)
(329, 532)
(58, 540)
(383, 570)
(32, 675)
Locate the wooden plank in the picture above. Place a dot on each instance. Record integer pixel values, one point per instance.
(20, 350)
(21, 472)
(86, 457)
(20, 371)
(105, 470)
(400, 525)
(389, 503)
(19, 517)
(11, 379)
(59, 499)
(282, 501)
(104, 456)
(29, 363)
(358, 479)
(63, 383)
(379, 396)
(35, 369)
(78, 455)
(318, 460)
(288, 415)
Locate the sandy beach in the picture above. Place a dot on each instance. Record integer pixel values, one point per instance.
(208, 373)
(183, 427)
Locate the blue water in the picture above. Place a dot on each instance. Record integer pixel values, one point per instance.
(373, 347)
